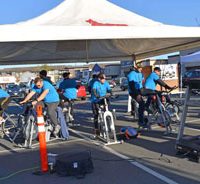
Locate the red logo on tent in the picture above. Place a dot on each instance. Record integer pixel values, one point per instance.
(95, 23)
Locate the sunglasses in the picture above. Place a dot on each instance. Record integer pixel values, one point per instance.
(38, 85)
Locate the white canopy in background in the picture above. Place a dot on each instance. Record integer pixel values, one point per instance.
(90, 30)
(191, 59)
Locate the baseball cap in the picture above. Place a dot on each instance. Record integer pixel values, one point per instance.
(139, 65)
(157, 69)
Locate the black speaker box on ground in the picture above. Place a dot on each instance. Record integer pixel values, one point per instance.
(74, 164)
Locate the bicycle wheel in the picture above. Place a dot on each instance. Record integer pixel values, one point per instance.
(173, 107)
(27, 128)
(109, 124)
(9, 129)
(101, 126)
(108, 120)
(173, 110)
(168, 119)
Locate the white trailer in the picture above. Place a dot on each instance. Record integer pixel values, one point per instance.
(7, 79)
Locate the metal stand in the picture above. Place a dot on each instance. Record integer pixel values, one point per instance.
(107, 128)
(135, 107)
(188, 145)
(29, 141)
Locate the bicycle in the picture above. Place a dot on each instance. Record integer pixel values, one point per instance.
(172, 106)
(8, 127)
(68, 112)
(21, 128)
(31, 129)
(106, 122)
(158, 113)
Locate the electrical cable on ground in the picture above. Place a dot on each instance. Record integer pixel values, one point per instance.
(161, 158)
(17, 172)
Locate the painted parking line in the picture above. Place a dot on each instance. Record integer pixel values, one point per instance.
(194, 129)
(35, 146)
(135, 163)
(194, 120)
(143, 167)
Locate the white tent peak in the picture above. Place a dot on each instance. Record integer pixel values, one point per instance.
(89, 12)
(64, 34)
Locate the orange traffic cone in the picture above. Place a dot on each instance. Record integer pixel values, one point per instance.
(42, 140)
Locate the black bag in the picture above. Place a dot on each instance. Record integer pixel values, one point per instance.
(74, 164)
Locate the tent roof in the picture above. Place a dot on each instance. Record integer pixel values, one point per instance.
(96, 69)
(87, 12)
(92, 30)
(191, 59)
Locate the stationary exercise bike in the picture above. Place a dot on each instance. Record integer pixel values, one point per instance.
(106, 122)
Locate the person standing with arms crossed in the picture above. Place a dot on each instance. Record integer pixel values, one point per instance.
(135, 79)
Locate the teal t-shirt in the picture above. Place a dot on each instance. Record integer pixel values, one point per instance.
(151, 81)
(3, 94)
(52, 95)
(69, 87)
(101, 90)
(137, 77)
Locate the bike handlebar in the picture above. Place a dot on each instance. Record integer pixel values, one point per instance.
(108, 96)
(168, 91)
(28, 103)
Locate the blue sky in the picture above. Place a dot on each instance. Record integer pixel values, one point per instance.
(176, 12)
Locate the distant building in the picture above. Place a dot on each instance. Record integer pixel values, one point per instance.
(113, 70)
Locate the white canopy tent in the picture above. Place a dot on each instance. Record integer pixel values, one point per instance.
(191, 60)
(90, 30)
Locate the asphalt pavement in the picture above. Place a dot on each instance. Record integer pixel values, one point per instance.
(150, 158)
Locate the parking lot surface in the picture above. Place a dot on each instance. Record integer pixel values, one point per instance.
(150, 158)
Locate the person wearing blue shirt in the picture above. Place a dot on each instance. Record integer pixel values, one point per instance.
(90, 85)
(43, 75)
(68, 87)
(135, 79)
(4, 101)
(49, 95)
(68, 92)
(99, 89)
(150, 85)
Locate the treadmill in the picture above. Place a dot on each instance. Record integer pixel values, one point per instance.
(188, 145)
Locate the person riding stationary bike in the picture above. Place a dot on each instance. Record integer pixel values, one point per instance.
(4, 101)
(68, 93)
(92, 81)
(99, 89)
(150, 85)
(43, 75)
(48, 93)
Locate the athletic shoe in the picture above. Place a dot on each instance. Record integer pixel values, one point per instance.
(1, 121)
(96, 132)
(56, 130)
(64, 109)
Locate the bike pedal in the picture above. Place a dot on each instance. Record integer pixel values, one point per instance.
(161, 125)
(76, 124)
(167, 133)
